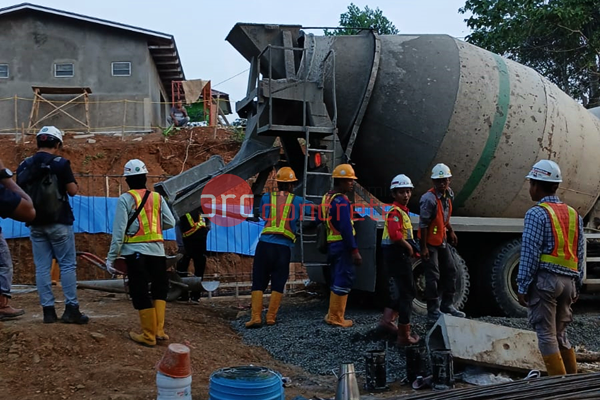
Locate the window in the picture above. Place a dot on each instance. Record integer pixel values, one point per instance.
(3, 70)
(121, 68)
(63, 70)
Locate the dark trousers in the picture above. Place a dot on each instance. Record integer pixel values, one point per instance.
(271, 263)
(145, 270)
(440, 273)
(195, 249)
(401, 285)
(341, 268)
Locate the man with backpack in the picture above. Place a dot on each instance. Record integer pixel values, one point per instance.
(15, 204)
(47, 178)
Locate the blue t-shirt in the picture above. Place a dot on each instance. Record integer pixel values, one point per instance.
(62, 168)
(9, 201)
(298, 204)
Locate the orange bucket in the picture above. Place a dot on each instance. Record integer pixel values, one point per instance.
(176, 361)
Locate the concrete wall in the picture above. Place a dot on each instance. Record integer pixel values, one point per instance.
(31, 43)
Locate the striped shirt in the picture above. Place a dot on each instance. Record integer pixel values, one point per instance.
(537, 240)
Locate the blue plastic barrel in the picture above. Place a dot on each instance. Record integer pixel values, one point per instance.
(246, 383)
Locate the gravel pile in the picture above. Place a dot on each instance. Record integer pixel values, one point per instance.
(302, 338)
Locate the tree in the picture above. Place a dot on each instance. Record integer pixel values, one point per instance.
(558, 38)
(367, 19)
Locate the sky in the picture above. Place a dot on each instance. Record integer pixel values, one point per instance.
(200, 26)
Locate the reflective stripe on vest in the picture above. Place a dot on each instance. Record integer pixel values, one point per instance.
(194, 226)
(333, 235)
(407, 231)
(280, 224)
(436, 233)
(149, 219)
(565, 229)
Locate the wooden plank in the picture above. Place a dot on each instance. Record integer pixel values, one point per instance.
(61, 90)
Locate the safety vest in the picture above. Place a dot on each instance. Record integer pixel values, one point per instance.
(194, 226)
(333, 235)
(406, 224)
(149, 219)
(436, 233)
(565, 229)
(279, 224)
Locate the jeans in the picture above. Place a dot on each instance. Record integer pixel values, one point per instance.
(401, 284)
(54, 241)
(6, 268)
(178, 121)
(271, 263)
(342, 268)
(440, 274)
(143, 270)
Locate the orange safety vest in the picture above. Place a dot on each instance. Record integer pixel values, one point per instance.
(279, 224)
(406, 224)
(149, 219)
(333, 235)
(436, 234)
(565, 229)
(194, 226)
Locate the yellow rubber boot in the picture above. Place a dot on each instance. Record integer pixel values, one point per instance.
(160, 306)
(257, 306)
(148, 323)
(569, 360)
(554, 364)
(274, 304)
(337, 309)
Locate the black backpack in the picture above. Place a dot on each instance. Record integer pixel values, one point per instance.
(41, 184)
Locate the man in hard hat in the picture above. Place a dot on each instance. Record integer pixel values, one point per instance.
(191, 233)
(141, 217)
(281, 210)
(397, 253)
(17, 205)
(551, 267)
(341, 243)
(47, 178)
(435, 232)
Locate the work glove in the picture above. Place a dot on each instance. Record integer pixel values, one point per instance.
(110, 267)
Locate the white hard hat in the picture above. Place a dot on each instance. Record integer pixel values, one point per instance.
(401, 181)
(441, 171)
(51, 131)
(546, 171)
(135, 167)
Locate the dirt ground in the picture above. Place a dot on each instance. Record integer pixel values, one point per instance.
(99, 361)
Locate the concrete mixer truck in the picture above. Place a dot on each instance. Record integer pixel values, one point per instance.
(395, 104)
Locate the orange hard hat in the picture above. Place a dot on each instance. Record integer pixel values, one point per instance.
(344, 171)
(286, 174)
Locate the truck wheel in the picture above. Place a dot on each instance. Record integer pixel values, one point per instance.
(500, 278)
(462, 283)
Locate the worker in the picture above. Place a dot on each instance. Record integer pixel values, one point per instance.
(17, 205)
(281, 211)
(191, 233)
(342, 250)
(141, 217)
(397, 252)
(48, 179)
(179, 116)
(435, 231)
(551, 267)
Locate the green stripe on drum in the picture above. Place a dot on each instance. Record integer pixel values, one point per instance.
(487, 155)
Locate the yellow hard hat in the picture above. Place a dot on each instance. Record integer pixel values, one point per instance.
(344, 171)
(286, 174)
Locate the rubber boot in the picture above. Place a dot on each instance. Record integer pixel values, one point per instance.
(433, 310)
(337, 309)
(50, 316)
(274, 304)
(405, 337)
(72, 315)
(387, 322)
(554, 364)
(148, 323)
(569, 360)
(448, 308)
(160, 306)
(257, 306)
(6, 311)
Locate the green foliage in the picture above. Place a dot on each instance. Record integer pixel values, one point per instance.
(89, 158)
(196, 112)
(367, 18)
(558, 38)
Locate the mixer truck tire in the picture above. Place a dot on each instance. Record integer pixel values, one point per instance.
(499, 278)
(462, 284)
